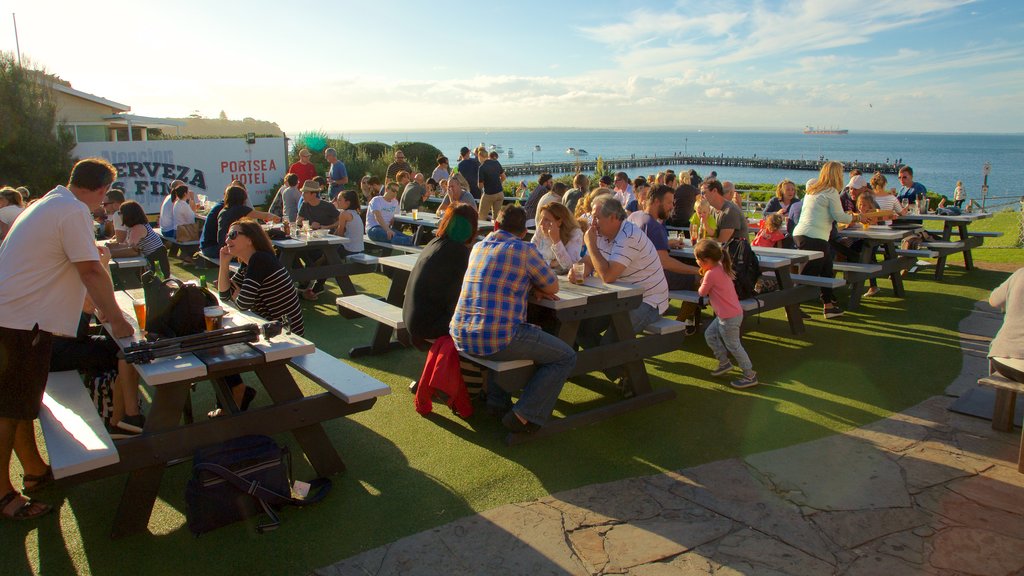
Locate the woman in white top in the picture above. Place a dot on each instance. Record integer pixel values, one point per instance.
(886, 198)
(959, 195)
(183, 209)
(558, 237)
(11, 206)
(380, 213)
(821, 207)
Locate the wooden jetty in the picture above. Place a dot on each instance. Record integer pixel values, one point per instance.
(683, 161)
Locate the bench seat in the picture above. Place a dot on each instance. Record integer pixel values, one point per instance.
(395, 247)
(857, 267)
(979, 233)
(1004, 407)
(338, 378)
(362, 258)
(818, 281)
(375, 309)
(691, 296)
(497, 365)
(918, 253)
(943, 245)
(664, 326)
(76, 439)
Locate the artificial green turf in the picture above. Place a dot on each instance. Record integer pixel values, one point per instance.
(407, 473)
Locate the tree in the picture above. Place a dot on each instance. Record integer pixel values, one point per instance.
(223, 115)
(35, 151)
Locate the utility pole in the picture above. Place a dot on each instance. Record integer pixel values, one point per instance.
(17, 44)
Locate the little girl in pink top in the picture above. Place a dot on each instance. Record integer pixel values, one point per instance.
(723, 334)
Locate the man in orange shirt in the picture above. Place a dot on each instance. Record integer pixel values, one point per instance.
(304, 169)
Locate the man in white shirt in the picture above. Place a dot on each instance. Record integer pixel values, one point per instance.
(623, 189)
(48, 263)
(618, 251)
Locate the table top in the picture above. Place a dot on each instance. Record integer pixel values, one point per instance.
(432, 220)
(959, 218)
(792, 253)
(401, 262)
(571, 295)
(189, 367)
(327, 240)
(767, 262)
(876, 233)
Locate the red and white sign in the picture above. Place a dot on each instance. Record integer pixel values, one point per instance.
(145, 169)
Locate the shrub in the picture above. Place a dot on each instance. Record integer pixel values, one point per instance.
(422, 156)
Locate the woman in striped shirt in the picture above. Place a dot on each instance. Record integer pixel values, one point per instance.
(261, 284)
(142, 236)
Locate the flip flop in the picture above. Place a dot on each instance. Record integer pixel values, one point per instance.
(29, 510)
(39, 481)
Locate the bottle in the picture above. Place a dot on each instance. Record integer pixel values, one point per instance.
(287, 229)
(202, 281)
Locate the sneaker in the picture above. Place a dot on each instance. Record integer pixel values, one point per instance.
(833, 311)
(133, 424)
(320, 290)
(873, 290)
(722, 369)
(625, 387)
(516, 426)
(689, 327)
(308, 294)
(745, 382)
(117, 433)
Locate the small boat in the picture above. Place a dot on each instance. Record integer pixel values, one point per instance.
(582, 152)
(570, 150)
(825, 131)
(536, 148)
(510, 153)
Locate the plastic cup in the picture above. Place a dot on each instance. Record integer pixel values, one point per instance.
(214, 316)
(140, 313)
(415, 214)
(578, 269)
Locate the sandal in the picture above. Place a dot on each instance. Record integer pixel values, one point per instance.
(30, 509)
(39, 481)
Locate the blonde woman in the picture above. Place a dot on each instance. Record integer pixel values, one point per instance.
(821, 207)
(886, 197)
(585, 206)
(558, 237)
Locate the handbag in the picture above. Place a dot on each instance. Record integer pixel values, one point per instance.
(240, 479)
(122, 250)
(186, 233)
(173, 308)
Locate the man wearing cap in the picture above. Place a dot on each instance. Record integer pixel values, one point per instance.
(490, 320)
(304, 169)
(320, 214)
(111, 207)
(337, 174)
(849, 195)
(48, 264)
(469, 167)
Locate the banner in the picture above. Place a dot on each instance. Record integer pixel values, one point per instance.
(145, 169)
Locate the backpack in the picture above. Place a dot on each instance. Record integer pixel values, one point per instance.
(174, 308)
(745, 266)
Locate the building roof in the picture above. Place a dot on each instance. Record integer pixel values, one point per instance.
(90, 97)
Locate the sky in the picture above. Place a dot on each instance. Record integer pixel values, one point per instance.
(884, 65)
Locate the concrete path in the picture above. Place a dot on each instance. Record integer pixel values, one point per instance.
(926, 491)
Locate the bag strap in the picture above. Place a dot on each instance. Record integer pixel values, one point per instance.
(264, 494)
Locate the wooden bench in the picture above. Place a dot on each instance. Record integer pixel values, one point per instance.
(388, 316)
(857, 268)
(186, 248)
(215, 263)
(948, 247)
(917, 253)
(978, 234)
(818, 281)
(339, 378)
(76, 440)
(385, 246)
(664, 326)
(1004, 407)
(362, 258)
(691, 296)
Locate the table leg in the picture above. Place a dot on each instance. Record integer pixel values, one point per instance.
(313, 440)
(636, 371)
(332, 257)
(140, 491)
(968, 259)
(796, 320)
(889, 250)
(940, 262)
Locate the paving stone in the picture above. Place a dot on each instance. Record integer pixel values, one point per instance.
(728, 488)
(515, 539)
(420, 554)
(645, 541)
(931, 463)
(689, 564)
(604, 503)
(854, 528)
(590, 547)
(961, 511)
(990, 449)
(997, 487)
(933, 412)
(975, 366)
(896, 433)
(976, 551)
(907, 545)
(875, 564)
(765, 552)
(835, 473)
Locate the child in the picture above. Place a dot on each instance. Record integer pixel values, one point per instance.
(771, 234)
(702, 223)
(723, 333)
(866, 203)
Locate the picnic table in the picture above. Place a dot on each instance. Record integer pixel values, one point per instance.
(574, 304)
(947, 245)
(329, 265)
(426, 222)
(875, 239)
(167, 438)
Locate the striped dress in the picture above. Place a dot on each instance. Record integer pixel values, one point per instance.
(150, 242)
(267, 289)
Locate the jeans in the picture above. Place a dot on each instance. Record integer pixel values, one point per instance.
(554, 360)
(591, 329)
(377, 234)
(723, 336)
(822, 267)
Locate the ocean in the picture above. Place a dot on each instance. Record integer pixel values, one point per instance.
(938, 160)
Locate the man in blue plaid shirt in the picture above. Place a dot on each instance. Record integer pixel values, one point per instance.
(490, 320)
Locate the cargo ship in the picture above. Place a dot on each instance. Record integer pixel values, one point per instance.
(828, 131)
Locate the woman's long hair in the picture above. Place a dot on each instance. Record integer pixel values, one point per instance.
(830, 176)
(459, 223)
(252, 230)
(711, 250)
(561, 213)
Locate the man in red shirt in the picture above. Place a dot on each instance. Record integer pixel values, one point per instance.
(304, 169)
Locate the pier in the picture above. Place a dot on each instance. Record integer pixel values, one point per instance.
(685, 161)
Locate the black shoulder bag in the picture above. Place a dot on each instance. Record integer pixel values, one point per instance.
(173, 308)
(240, 479)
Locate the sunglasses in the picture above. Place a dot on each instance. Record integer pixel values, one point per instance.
(234, 234)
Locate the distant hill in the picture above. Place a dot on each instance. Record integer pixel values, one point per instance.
(212, 127)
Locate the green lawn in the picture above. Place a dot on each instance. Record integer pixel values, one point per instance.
(408, 473)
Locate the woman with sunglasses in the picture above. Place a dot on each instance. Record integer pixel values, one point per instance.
(261, 284)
